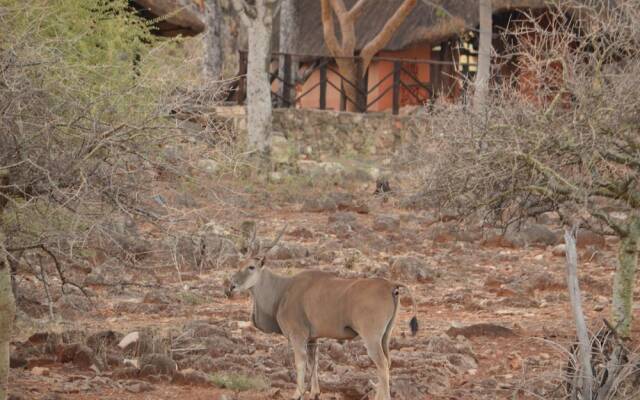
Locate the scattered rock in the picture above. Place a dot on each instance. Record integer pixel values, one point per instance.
(276, 177)
(157, 364)
(446, 345)
(104, 339)
(287, 251)
(533, 235)
(138, 386)
(40, 371)
(79, 354)
(208, 166)
(219, 346)
(411, 268)
(191, 376)
(386, 223)
(342, 217)
(72, 306)
(282, 152)
(451, 231)
(157, 297)
(301, 233)
(17, 361)
(125, 373)
(129, 339)
(325, 168)
(319, 204)
(337, 352)
(483, 329)
(559, 250)
(499, 240)
(540, 281)
(586, 239)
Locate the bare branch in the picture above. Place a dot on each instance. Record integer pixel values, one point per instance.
(241, 7)
(356, 10)
(328, 29)
(386, 33)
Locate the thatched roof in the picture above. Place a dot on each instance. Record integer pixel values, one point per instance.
(426, 23)
(172, 17)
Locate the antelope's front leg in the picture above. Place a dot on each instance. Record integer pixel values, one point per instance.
(313, 355)
(299, 346)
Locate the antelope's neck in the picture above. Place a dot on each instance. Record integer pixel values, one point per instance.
(269, 290)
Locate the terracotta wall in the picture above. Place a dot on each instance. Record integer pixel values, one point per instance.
(378, 70)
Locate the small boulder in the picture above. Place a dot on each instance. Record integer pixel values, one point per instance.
(157, 364)
(482, 329)
(208, 166)
(533, 235)
(73, 305)
(79, 354)
(586, 239)
(287, 251)
(157, 297)
(138, 386)
(559, 250)
(191, 376)
(343, 217)
(411, 268)
(386, 223)
(319, 204)
(129, 339)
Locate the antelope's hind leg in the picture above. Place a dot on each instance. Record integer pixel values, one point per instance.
(377, 355)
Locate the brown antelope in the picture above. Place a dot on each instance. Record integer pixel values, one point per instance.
(313, 305)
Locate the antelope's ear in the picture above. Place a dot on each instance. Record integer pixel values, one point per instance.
(261, 261)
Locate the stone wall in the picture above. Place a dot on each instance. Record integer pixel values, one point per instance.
(319, 134)
(334, 133)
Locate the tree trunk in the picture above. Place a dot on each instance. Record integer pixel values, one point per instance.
(258, 86)
(484, 58)
(583, 380)
(288, 30)
(212, 41)
(349, 70)
(624, 279)
(7, 313)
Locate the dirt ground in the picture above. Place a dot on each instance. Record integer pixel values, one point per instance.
(494, 313)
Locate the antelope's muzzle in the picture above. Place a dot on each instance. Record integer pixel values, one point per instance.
(230, 290)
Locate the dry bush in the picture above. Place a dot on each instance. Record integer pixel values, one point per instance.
(566, 132)
(561, 135)
(87, 96)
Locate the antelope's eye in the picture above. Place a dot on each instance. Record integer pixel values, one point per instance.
(252, 267)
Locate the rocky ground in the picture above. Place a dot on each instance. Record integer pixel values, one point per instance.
(493, 309)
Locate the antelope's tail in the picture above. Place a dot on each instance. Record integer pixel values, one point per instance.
(413, 324)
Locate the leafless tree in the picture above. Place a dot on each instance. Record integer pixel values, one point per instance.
(79, 147)
(7, 311)
(567, 135)
(562, 136)
(257, 16)
(287, 36)
(344, 50)
(213, 54)
(484, 56)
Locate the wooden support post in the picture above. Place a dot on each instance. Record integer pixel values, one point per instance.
(397, 69)
(361, 84)
(323, 84)
(287, 82)
(241, 92)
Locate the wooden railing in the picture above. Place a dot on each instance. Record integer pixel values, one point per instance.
(401, 78)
